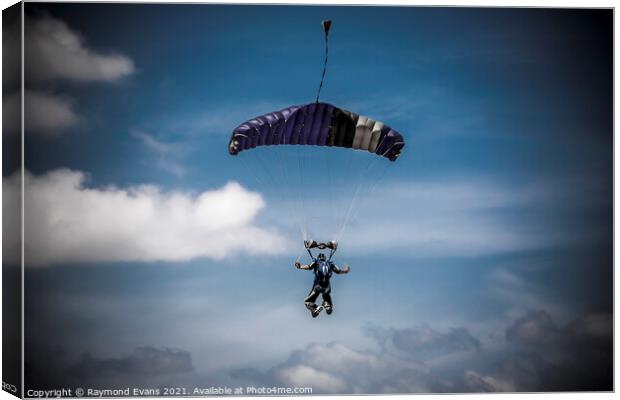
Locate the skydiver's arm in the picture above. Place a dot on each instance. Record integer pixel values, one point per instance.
(338, 270)
(305, 267)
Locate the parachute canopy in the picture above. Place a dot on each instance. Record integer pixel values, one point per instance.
(317, 124)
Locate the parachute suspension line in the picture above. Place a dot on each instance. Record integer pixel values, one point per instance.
(326, 25)
(332, 185)
(272, 178)
(264, 170)
(371, 190)
(348, 170)
(288, 186)
(299, 198)
(304, 233)
(353, 203)
(247, 166)
(345, 220)
(290, 193)
(263, 162)
(354, 200)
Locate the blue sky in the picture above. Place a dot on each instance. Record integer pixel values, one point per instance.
(481, 261)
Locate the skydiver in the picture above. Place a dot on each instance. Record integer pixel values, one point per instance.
(323, 269)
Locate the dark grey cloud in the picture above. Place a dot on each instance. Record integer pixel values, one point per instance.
(422, 341)
(536, 327)
(547, 357)
(143, 361)
(54, 366)
(536, 355)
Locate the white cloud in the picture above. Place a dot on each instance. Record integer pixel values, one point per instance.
(152, 143)
(461, 217)
(475, 382)
(55, 51)
(220, 121)
(518, 293)
(172, 167)
(66, 222)
(46, 112)
(299, 375)
(165, 152)
(352, 371)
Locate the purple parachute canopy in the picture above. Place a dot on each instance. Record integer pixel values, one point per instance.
(317, 124)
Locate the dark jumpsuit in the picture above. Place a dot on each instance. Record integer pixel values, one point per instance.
(322, 273)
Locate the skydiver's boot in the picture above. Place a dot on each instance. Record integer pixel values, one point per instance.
(314, 309)
(328, 307)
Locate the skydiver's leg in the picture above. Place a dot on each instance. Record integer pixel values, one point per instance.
(327, 302)
(310, 300)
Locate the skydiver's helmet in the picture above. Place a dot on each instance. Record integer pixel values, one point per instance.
(321, 257)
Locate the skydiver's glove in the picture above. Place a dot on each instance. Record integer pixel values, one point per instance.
(297, 265)
(346, 269)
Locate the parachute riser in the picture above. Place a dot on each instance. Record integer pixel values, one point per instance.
(331, 253)
(312, 244)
